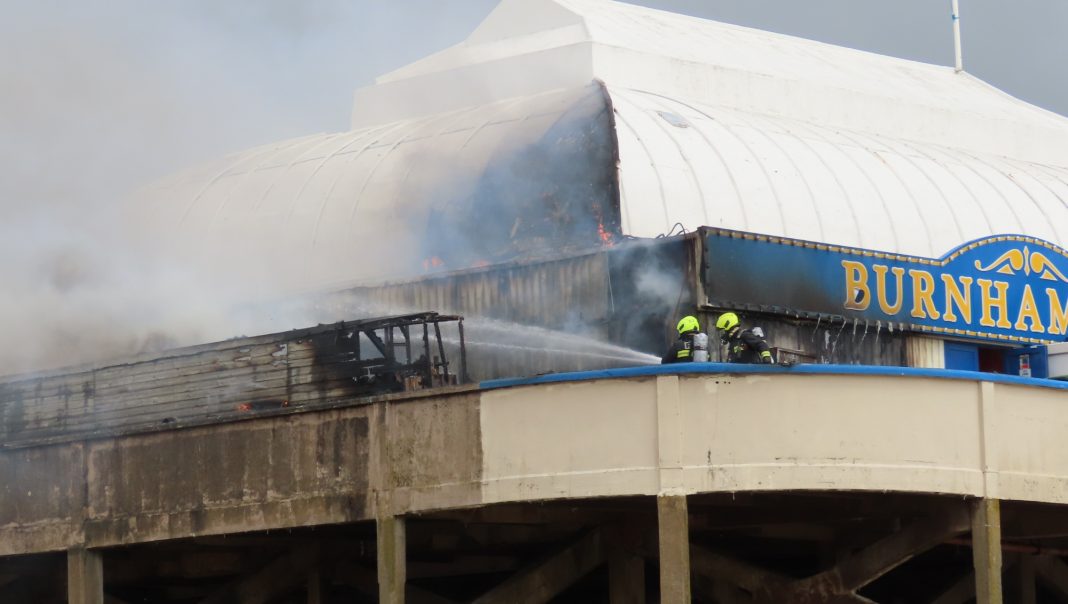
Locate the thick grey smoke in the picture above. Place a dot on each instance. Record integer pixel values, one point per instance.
(100, 98)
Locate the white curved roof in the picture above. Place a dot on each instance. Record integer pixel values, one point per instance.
(714, 125)
(383, 200)
(528, 45)
(703, 165)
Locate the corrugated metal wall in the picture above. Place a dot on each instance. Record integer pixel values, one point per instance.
(502, 304)
(551, 294)
(628, 295)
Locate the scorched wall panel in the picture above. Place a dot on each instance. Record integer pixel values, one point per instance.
(273, 473)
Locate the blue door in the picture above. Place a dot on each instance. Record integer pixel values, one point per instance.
(962, 356)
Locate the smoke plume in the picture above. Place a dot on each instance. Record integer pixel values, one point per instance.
(100, 98)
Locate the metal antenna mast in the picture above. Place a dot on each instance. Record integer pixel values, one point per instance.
(956, 35)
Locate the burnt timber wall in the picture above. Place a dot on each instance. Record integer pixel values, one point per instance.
(185, 387)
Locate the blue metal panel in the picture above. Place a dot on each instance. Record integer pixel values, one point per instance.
(963, 357)
(740, 369)
(1037, 357)
(1007, 288)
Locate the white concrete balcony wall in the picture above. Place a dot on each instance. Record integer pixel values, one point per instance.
(774, 432)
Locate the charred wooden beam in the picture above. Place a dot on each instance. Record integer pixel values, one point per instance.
(1054, 574)
(626, 567)
(861, 568)
(706, 589)
(315, 590)
(1021, 522)
(365, 581)
(283, 574)
(839, 583)
(960, 592)
(1025, 580)
(463, 566)
(210, 384)
(546, 578)
(626, 578)
(721, 568)
(184, 565)
(464, 378)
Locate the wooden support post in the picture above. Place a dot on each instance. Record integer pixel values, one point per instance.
(986, 550)
(392, 560)
(1025, 575)
(626, 578)
(674, 523)
(626, 567)
(85, 577)
(316, 588)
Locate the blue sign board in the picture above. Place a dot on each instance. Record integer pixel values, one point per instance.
(1006, 287)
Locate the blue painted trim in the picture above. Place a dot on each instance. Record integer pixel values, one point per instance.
(728, 369)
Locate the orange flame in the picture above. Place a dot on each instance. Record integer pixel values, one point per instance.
(605, 235)
(433, 262)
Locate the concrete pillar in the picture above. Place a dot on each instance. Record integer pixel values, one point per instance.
(392, 560)
(674, 520)
(986, 550)
(85, 577)
(316, 588)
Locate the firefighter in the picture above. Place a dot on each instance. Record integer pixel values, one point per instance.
(743, 345)
(691, 346)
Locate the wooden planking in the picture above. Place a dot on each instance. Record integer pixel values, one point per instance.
(209, 382)
(178, 412)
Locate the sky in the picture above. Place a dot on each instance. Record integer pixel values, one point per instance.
(164, 84)
(101, 97)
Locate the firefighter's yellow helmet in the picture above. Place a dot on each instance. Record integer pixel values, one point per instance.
(727, 321)
(688, 324)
